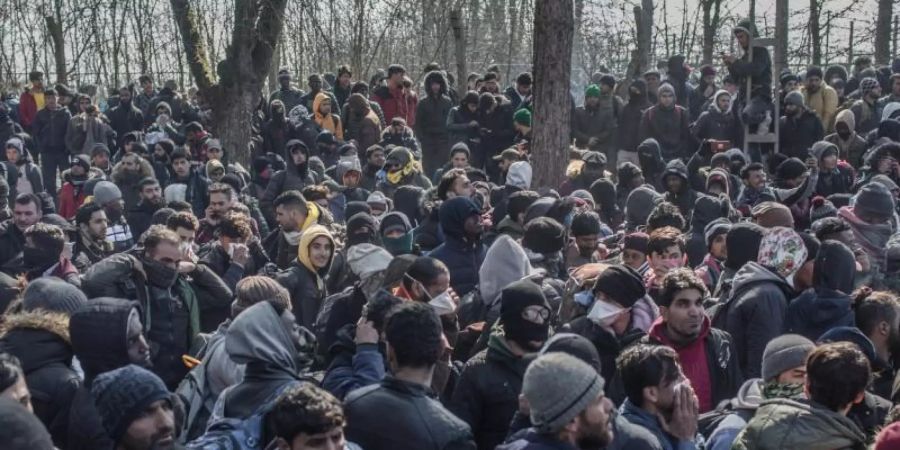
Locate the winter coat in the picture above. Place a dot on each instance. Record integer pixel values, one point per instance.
(84, 132)
(124, 119)
(458, 125)
(127, 182)
(291, 97)
(353, 365)
(759, 70)
(852, 149)
(462, 257)
(364, 128)
(40, 340)
(836, 181)
(716, 124)
(331, 121)
(866, 116)
(486, 396)
(685, 199)
(632, 112)
(31, 172)
(49, 130)
(394, 103)
(650, 422)
(140, 217)
(706, 209)
(798, 134)
(176, 104)
(305, 282)
(309, 102)
(12, 241)
(424, 422)
(170, 329)
(827, 304)
(669, 126)
(284, 180)
(431, 123)
(28, 108)
(801, 424)
(261, 339)
(743, 406)
(824, 103)
(626, 436)
(754, 314)
(599, 123)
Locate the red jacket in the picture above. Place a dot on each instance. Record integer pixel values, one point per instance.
(693, 360)
(395, 104)
(27, 110)
(70, 199)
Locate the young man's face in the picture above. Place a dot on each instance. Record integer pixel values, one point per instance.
(351, 179)
(743, 38)
(674, 183)
(473, 225)
(594, 426)
(652, 82)
(756, 179)
(153, 429)
(524, 89)
(666, 99)
(790, 86)
(181, 167)
(329, 440)
(461, 187)
(19, 393)
(138, 349)
(829, 162)
(376, 159)
(152, 194)
(320, 252)
(633, 258)
(719, 249)
(297, 156)
(96, 226)
(166, 253)
(459, 160)
(587, 244)
(722, 102)
(12, 154)
(50, 101)
(289, 219)
(813, 84)
(124, 95)
(26, 215)
(662, 263)
(797, 375)
(214, 153)
(147, 86)
(325, 108)
(684, 316)
(219, 204)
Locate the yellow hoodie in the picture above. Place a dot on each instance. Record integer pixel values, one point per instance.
(330, 122)
(309, 235)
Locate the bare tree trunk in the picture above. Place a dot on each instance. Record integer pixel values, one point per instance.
(711, 23)
(553, 35)
(815, 32)
(459, 40)
(234, 97)
(54, 27)
(645, 35)
(781, 36)
(883, 32)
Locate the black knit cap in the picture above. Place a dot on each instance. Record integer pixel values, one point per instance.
(742, 242)
(122, 395)
(544, 235)
(585, 223)
(517, 296)
(20, 429)
(355, 207)
(790, 169)
(575, 345)
(622, 284)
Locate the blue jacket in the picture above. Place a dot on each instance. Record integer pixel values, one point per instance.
(461, 256)
(353, 366)
(644, 419)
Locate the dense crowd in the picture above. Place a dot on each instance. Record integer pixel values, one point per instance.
(384, 275)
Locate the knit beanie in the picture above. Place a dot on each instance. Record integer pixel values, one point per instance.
(665, 88)
(814, 71)
(586, 223)
(888, 438)
(742, 241)
(592, 91)
(790, 169)
(575, 345)
(772, 214)
(395, 221)
(20, 429)
(867, 85)
(544, 235)
(558, 388)
(852, 335)
(355, 207)
(874, 199)
(377, 198)
(715, 228)
(794, 98)
(782, 251)
(255, 289)
(622, 284)
(522, 117)
(365, 260)
(53, 295)
(122, 395)
(81, 160)
(105, 192)
(583, 195)
(821, 208)
(784, 353)
(637, 241)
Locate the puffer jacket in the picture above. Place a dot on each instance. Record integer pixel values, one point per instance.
(824, 103)
(802, 424)
(828, 303)
(716, 124)
(306, 283)
(424, 422)
(49, 130)
(40, 340)
(487, 394)
(394, 103)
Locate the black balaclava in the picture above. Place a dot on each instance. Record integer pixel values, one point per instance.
(742, 242)
(514, 299)
(834, 268)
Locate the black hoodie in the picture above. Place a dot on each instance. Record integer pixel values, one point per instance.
(630, 120)
(686, 197)
(827, 304)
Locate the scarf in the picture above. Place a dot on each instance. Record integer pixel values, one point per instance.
(872, 238)
(396, 177)
(774, 389)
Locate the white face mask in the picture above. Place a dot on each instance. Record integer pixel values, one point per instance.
(443, 303)
(605, 313)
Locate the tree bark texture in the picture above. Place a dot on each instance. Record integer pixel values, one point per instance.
(553, 35)
(883, 32)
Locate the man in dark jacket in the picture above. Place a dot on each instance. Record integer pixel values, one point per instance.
(754, 64)
(106, 334)
(125, 117)
(38, 335)
(629, 122)
(49, 130)
(828, 303)
(394, 99)
(287, 94)
(27, 211)
(316, 85)
(594, 124)
(135, 407)
(706, 354)
(462, 251)
(150, 200)
(678, 189)
(157, 277)
(668, 123)
(431, 123)
(754, 311)
(677, 75)
(519, 96)
(292, 213)
(295, 176)
(196, 185)
(865, 109)
(91, 245)
(486, 396)
(414, 346)
(800, 128)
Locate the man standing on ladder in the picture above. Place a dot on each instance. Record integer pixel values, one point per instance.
(753, 74)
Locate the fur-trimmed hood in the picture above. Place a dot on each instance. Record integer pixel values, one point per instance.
(54, 322)
(38, 338)
(119, 176)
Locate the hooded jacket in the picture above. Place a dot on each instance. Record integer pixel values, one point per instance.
(40, 340)
(827, 304)
(754, 314)
(127, 182)
(331, 121)
(595, 128)
(49, 129)
(291, 178)
(836, 181)
(687, 197)
(639, 205)
(462, 256)
(431, 121)
(395, 103)
(799, 132)
(715, 123)
(853, 148)
(84, 131)
(268, 346)
(743, 405)
(652, 162)
(362, 124)
(670, 128)
(629, 123)
(802, 424)
(823, 103)
(304, 281)
(706, 210)
(125, 118)
(411, 175)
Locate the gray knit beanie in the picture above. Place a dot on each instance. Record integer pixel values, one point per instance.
(558, 387)
(52, 295)
(105, 192)
(784, 353)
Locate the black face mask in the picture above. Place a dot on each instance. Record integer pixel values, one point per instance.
(523, 332)
(159, 274)
(302, 169)
(844, 134)
(38, 259)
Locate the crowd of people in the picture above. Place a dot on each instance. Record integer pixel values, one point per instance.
(384, 275)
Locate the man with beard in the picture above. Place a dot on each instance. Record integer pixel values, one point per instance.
(26, 212)
(821, 98)
(295, 176)
(42, 255)
(125, 117)
(567, 406)
(150, 200)
(90, 245)
(195, 184)
(287, 94)
(706, 354)
(221, 199)
(462, 251)
(292, 214)
(865, 109)
(522, 329)
(72, 194)
(877, 316)
(136, 409)
(315, 84)
(375, 158)
(108, 196)
(157, 276)
(658, 396)
(800, 128)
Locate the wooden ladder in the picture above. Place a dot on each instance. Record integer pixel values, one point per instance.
(771, 137)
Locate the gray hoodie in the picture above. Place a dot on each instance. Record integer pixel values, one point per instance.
(504, 263)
